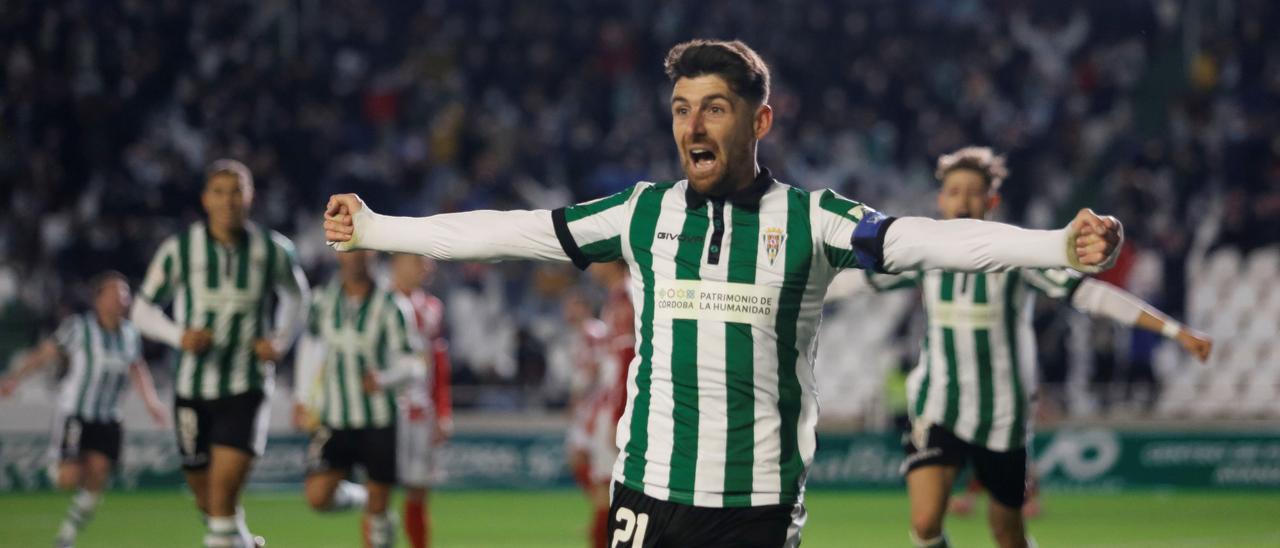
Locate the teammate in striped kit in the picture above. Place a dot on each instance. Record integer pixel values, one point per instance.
(360, 350)
(102, 348)
(221, 276)
(426, 409)
(970, 393)
(728, 269)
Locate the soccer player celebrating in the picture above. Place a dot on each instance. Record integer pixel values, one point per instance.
(969, 395)
(728, 270)
(102, 348)
(221, 276)
(360, 348)
(426, 411)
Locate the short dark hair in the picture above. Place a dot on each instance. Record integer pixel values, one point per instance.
(739, 65)
(980, 159)
(100, 281)
(228, 166)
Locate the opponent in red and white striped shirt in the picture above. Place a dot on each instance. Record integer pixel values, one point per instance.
(426, 411)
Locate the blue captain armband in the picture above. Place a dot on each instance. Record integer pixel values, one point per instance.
(868, 239)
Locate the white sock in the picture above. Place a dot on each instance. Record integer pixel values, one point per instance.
(222, 533)
(382, 530)
(348, 496)
(939, 541)
(79, 513)
(242, 528)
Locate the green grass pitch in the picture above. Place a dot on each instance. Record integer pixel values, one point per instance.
(557, 519)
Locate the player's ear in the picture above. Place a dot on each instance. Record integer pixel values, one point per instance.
(992, 201)
(763, 121)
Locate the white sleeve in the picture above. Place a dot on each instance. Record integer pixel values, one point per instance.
(402, 369)
(307, 365)
(155, 324)
(968, 245)
(484, 236)
(1098, 298)
(294, 296)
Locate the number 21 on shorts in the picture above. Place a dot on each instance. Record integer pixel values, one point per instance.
(632, 530)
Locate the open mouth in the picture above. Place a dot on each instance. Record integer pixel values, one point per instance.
(702, 158)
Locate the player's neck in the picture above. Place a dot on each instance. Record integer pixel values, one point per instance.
(108, 322)
(405, 289)
(226, 235)
(742, 183)
(357, 288)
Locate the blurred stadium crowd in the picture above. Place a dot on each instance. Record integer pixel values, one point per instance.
(1160, 112)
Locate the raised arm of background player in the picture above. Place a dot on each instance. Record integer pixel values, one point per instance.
(55, 348)
(891, 245)
(1103, 300)
(164, 278)
(1093, 297)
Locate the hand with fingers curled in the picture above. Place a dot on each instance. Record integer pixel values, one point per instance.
(1195, 342)
(1094, 241)
(340, 221)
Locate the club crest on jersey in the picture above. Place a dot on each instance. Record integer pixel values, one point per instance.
(773, 239)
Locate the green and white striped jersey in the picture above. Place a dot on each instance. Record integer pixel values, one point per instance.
(229, 291)
(98, 370)
(728, 295)
(358, 336)
(978, 359)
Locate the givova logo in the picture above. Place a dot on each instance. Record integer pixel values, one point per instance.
(677, 237)
(1081, 455)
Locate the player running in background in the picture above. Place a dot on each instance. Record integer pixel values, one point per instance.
(729, 268)
(221, 276)
(360, 348)
(426, 408)
(969, 396)
(618, 317)
(591, 421)
(102, 348)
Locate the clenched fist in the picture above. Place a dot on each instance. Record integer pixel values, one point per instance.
(339, 221)
(196, 341)
(1196, 343)
(1095, 240)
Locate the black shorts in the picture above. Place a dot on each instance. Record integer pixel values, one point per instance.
(74, 437)
(637, 520)
(372, 448)
(238, 421)
(1003, 473)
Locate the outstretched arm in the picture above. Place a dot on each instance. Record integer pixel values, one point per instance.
(47, 352)
(1098, 298)
(146, 388)
(1090, 243)
(471, 236)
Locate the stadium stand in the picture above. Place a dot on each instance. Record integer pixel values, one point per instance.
(111, 110)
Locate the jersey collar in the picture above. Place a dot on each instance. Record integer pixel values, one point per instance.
(747, 198)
